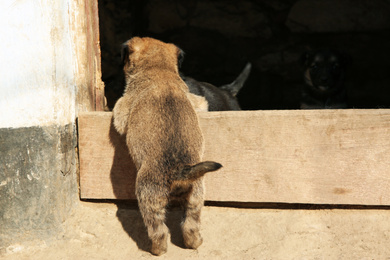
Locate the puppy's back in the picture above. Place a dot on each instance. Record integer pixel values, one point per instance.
(164, 126)
(161, 125)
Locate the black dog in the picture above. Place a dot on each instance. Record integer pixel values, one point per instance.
(324, 76)
(219, 98)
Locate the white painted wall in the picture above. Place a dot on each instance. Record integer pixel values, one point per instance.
(37, 63)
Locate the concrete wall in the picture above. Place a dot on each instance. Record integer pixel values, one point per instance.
(50, 70)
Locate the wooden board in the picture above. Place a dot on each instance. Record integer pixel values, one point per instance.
(288, 156)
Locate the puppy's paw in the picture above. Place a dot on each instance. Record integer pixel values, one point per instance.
(121, 115)
(193, 241)
(159, 246)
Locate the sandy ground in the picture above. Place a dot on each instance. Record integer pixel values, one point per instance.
(107, 231)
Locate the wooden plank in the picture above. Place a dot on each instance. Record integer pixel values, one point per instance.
(301, 156)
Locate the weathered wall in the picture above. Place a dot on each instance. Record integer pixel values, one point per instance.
(36, 64)
(50, 70)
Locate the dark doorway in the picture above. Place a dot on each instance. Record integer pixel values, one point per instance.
(220, 37)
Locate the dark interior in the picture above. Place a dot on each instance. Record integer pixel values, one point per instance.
(220, 37)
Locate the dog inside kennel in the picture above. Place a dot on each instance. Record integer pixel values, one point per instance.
(220, 38)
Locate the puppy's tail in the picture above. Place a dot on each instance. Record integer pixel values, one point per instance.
(196, 171)
(237, 84)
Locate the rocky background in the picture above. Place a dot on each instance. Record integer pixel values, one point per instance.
(219, 37)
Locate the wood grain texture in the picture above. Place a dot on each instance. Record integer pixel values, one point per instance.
(288, 156)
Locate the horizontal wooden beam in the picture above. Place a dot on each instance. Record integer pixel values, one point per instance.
(287, 156)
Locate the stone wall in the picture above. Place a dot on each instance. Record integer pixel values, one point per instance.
(219, 37)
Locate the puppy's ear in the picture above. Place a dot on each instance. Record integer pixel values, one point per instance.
(180, 57)
(130, 46)
(125, 52)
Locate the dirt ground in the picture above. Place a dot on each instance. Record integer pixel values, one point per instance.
(108, 231)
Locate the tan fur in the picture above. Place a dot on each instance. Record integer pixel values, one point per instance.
(199, 103)
(164, 138)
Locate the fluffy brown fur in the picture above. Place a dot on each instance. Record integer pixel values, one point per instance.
(164, 138)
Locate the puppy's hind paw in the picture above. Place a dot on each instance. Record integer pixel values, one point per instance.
(159, 248)
(193, 242)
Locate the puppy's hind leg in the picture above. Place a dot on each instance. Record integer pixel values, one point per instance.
(191, 224)
(152, 202)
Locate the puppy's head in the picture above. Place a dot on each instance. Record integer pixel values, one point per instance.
(325, 69)
(147, 53)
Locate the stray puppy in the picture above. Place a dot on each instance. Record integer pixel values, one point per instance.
(324, 76)
(222, 98)
(164, 138)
